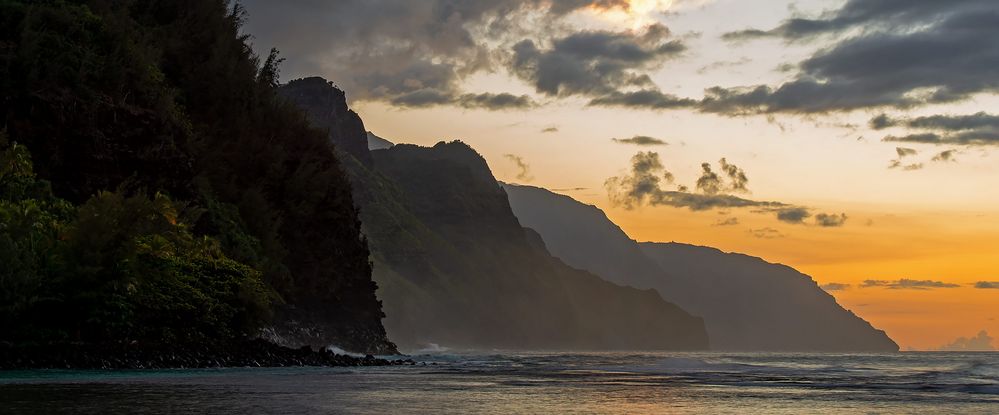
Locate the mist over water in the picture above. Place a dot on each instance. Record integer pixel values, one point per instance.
(503, 383)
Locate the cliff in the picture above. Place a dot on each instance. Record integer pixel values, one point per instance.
(747, 303)
(457, 269)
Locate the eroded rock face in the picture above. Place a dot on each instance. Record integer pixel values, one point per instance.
(326, 107)
(748, 304)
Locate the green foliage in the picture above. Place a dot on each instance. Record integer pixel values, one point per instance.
(116, 268)
(122, 98)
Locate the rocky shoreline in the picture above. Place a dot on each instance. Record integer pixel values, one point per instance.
(251, 353)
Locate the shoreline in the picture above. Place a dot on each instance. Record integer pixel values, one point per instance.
(250, 353)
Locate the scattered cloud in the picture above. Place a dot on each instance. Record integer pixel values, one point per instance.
(980, 129)
(714, 66)
(908, 284)
(652, 99)
(429, 98)
(945, 156)
(524, 169)
(897, 164)
(766, 233)
(794, 215)
(835, 286)
(905, 152)
(641, 140)
(980, 343)
(987, 285)
(727, 222)
(549, 130)
(650, 183)
(826, 220)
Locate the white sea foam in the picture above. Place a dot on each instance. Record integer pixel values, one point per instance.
(337, 350)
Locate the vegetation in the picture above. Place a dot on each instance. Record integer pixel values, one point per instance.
(177, 197)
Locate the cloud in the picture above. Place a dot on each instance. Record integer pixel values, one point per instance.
(897, 164)
(835, 286)
(736, 176)
(524, 169)
(652, 99)
(641, 140)
(980, 129)
(723, 64)
(594, 63)
(905, 152)
(908, 284)
(945, 156)
(766, 233)
(645, 185)
(727, 222)
(549, 130)
(987, 285)
(431, 97)
(793, 215)
(885, 53)
(826, 220)
(650, 183)
(403, 52)
(980, 343)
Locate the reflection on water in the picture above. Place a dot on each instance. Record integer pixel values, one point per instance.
(606, 383)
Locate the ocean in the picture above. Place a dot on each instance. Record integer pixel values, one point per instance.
(537, 383)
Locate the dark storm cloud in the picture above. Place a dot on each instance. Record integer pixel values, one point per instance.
(908, 284)
(835, 286)
(987, 285)
(523, 169)
(641, 140)
(976, 129)
(408, 53)
(594, 63)
(887, 53)
(649, 183)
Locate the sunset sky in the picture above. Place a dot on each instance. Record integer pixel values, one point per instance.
(882, 111)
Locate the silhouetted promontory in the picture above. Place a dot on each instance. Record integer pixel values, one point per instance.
(748, 304)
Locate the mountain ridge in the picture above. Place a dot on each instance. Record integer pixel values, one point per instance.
(737, 294)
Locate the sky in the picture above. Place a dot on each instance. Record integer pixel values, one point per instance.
(851, 139)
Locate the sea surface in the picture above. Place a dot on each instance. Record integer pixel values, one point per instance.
(534, 383)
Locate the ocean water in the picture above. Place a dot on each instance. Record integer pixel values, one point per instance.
(532, 383)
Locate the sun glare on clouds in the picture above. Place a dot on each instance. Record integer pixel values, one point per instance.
(635, 14)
